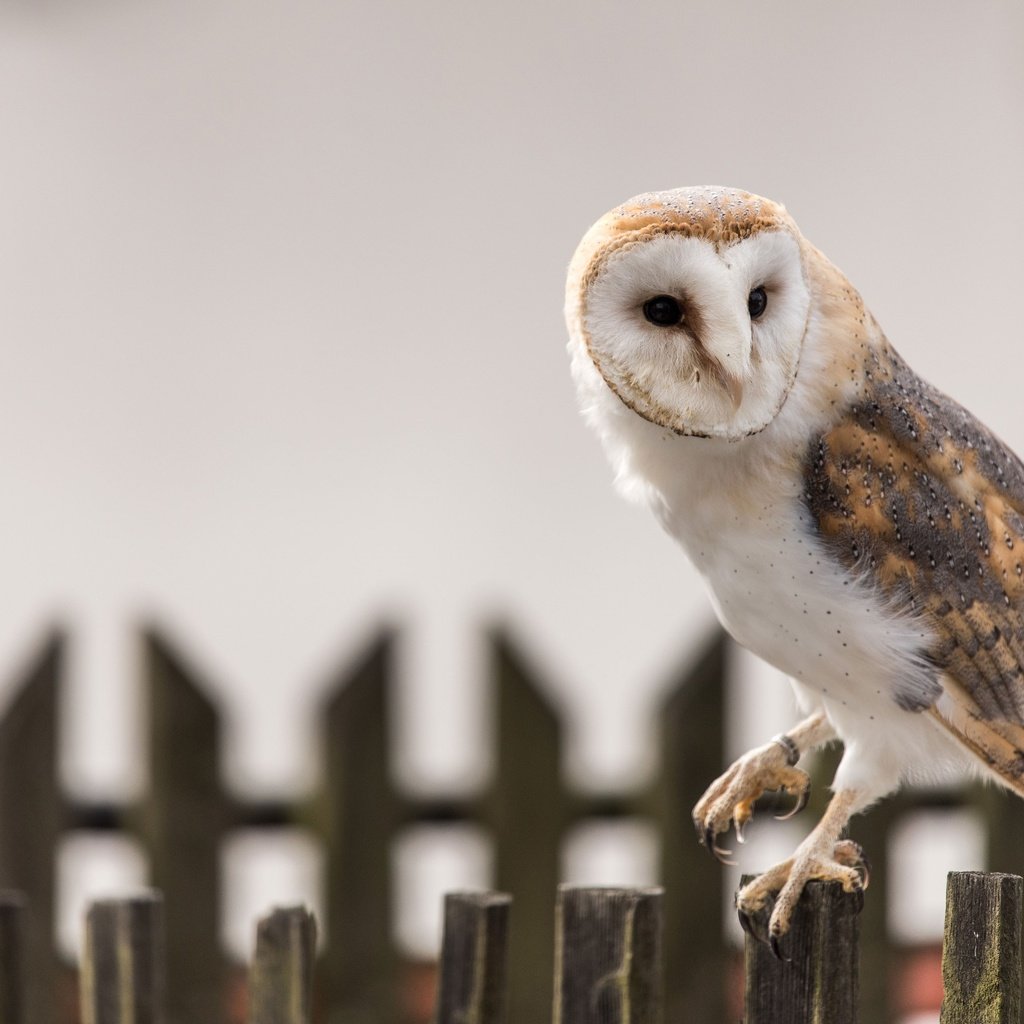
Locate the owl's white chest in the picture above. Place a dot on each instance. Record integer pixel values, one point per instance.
(780, 593)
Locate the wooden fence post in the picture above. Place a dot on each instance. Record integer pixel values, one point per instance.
(473, 984)
(528, 811)
(281, 978)
(608, 967)
(12, 959)
(31, 817)
(122, 971)
(981, 956)
(361, 814)
(692, 729)
(184, 818)
(818, 982)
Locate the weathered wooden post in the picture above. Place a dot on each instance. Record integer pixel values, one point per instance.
(473, 984)
(608, 965)
(281, 977)
(692, 729)
(31, 816)
(981, 955)
(12, 959)
(362, 812)
(183, 821)
(817, 983)
(528, 811)
(122, 972)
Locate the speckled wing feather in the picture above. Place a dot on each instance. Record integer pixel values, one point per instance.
(912, 491)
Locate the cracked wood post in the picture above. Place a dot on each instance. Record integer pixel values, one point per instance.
(122, 971)
(818, 982)
(281, 978)
(474, 959)
(608, 964)
(981, 955)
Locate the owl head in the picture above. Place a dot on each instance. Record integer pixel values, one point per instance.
(693, 304)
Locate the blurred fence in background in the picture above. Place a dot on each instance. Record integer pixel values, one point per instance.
(358, 812)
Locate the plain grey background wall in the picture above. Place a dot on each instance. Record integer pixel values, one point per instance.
(281, 316)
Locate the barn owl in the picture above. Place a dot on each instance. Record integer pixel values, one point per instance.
(854, 527)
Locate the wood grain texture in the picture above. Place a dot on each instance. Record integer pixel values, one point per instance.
(818, 982)
(474, 958)
(981, 958)
(608, 963)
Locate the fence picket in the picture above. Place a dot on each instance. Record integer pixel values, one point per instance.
(981, 957)
(122, 970)
(362, 811)
(184, 818)
(12, 958)
(818, 981)
(692, 742)
(528, 811)
(31, 814)
(473, 969)
(281, 978)
(608, 965)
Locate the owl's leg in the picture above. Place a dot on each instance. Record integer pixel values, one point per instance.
(729, 801)
(822, 855)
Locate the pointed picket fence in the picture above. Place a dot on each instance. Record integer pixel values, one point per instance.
(608, 963)
(358, 812)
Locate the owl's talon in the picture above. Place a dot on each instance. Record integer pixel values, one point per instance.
(858, 894)
(707, 838)
(801, 802)
(729, 801)
(774, 946)
(851, 854)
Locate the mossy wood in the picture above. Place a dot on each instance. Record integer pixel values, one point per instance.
(817, 981)
(981, 958)
(474, 959)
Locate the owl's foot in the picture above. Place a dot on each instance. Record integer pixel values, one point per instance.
(820, 856)
(729, 801)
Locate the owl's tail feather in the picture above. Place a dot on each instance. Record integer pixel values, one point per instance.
(997, 743)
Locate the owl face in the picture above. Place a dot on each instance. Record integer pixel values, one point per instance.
(693, 305)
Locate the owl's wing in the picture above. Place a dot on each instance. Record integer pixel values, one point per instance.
(910, 489)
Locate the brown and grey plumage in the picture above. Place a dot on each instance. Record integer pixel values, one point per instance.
(912, 491)
(855, 527)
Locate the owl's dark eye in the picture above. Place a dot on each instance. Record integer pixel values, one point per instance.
(663, 310)
(757, 302)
